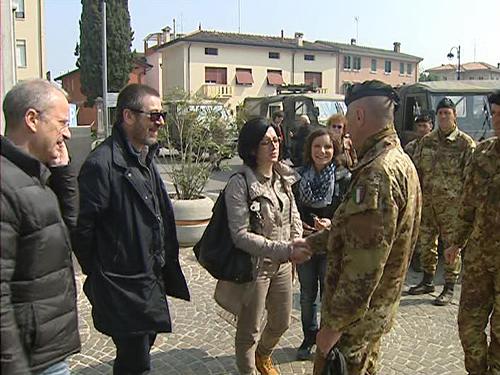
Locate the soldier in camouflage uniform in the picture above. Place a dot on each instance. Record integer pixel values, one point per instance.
(372, 235)
(423, 126)
(440, 158)
(478, 231)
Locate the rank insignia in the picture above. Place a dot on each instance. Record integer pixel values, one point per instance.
(359, 194)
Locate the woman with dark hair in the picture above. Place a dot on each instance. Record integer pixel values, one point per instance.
(263, 221)
(323, 183)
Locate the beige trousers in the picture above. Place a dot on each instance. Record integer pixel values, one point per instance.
(273, 292)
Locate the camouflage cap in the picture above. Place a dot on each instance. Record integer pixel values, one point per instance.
(445, 103)
(371, 88)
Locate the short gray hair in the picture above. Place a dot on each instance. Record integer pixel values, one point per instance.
(37, 94)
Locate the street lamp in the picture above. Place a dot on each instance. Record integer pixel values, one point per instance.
(451, 55)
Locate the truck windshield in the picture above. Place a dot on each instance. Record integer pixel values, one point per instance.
(328, 108)
(473, 113)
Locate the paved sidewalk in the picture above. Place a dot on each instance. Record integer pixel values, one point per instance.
(424, 340)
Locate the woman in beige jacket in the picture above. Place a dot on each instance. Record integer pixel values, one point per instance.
(264, 221)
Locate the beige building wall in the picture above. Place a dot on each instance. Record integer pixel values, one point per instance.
(154, 76)
(30, 32)
(173, 67)
(365, 73)
(291, 63)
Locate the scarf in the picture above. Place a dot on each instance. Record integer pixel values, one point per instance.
(317, 189)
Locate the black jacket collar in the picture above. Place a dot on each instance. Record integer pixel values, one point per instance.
(122, 148)
(30, 165)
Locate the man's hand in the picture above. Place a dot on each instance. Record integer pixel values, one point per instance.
(63, 158)
(451, 254)
(322, 223)
(301, 251)
(326, 340)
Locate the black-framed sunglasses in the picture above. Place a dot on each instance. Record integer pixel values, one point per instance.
(153, 116)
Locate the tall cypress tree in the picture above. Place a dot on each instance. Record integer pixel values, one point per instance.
(119, 40)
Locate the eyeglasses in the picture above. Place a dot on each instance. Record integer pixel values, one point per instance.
(64, 124)
(268, 141)
(153, 116)
(336, 126)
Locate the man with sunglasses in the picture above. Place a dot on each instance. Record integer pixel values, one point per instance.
(39, 323)
(125, 239)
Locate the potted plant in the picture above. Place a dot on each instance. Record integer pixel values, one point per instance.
(195, 140)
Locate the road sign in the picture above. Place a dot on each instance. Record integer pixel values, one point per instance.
(111, 99)
(73, 111)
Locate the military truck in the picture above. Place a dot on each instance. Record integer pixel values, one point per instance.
(318, 107)
(470, 98)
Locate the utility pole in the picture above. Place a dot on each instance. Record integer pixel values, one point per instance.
(105, 70)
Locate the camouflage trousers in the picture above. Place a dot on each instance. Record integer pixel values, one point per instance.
(361, 355)
(437, 222)
(480, 304)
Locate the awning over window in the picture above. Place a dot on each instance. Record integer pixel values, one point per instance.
(244, 77)
(274, 78)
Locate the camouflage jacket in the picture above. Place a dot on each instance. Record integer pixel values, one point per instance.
(441, 161)
(479, 215)
(410, 147)
(372, 236)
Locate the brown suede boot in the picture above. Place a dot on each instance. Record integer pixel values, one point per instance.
(265, 365)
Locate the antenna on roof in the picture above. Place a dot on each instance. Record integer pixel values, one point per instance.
(356, 19)
(239, 16)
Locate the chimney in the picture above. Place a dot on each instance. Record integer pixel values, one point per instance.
(166, 36)
(353, 41)
(282, 34)
(299, 38)
(397, 47)
(498, 65)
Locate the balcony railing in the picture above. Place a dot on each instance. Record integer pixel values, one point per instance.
(217, 91)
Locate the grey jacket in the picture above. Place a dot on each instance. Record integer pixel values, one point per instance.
(275, 220)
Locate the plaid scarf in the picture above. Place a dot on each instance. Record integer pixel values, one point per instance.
(317, 189)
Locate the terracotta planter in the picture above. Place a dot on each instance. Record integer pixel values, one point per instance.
(191, 218)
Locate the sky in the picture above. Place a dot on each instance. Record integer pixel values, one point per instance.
(425, 28)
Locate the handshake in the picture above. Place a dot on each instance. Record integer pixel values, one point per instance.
(300, 251)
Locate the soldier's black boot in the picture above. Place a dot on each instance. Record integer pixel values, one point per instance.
(446, 295)
(425, 286)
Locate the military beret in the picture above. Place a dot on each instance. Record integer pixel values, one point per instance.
(371, 88)
(445, 103)
(425, 116)
(494, 97)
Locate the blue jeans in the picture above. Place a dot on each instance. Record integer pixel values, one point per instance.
(59, 368)
(311, 274)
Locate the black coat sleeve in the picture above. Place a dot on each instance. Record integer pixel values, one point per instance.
(13, 357)
(63, 181)
(94, 187)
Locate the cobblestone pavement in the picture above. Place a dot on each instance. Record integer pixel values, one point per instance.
(424, 340)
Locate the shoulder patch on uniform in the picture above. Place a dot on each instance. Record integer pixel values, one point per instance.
(359, 194)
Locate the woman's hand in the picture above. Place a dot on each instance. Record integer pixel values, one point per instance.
(322, 223)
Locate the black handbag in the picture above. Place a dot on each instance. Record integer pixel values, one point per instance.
(335, 363)
(215, 251)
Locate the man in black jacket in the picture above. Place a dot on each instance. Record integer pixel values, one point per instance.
(39, 325)
(125, 239)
